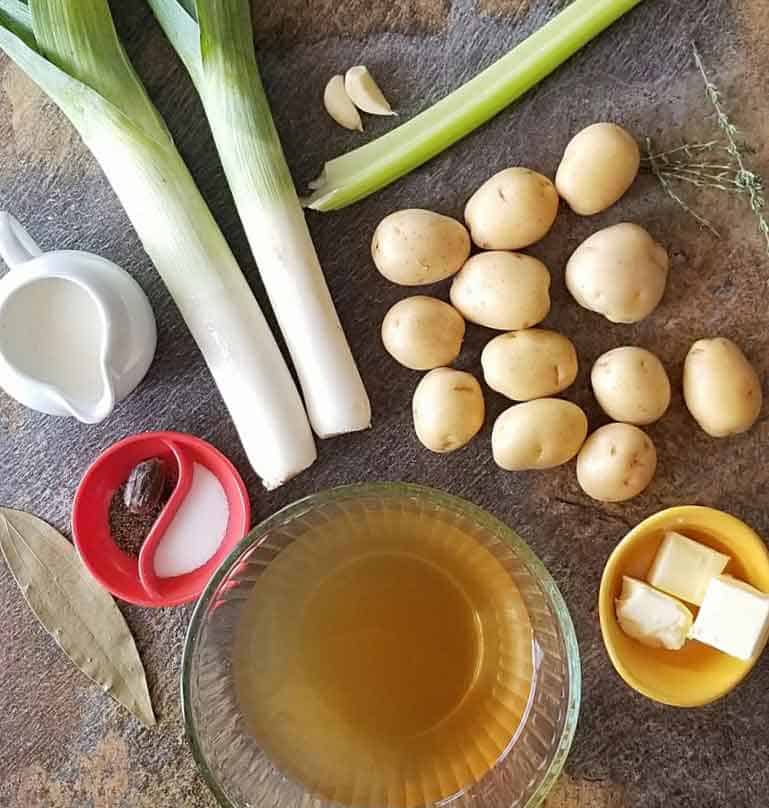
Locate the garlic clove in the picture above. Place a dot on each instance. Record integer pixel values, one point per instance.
(339, 106)
(365, 93)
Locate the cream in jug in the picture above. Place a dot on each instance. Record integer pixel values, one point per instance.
(77, 333)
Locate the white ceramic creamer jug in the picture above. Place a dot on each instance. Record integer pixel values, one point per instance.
(77, 333)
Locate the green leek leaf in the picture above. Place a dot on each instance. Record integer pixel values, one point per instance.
(16, 17)
(80, 38)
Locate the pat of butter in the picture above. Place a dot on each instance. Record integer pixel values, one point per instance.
(652, 617)
(684, 568)
(734, 618)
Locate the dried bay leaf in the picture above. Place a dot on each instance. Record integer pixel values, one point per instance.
(74, 609)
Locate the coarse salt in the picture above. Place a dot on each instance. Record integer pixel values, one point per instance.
(197, 529)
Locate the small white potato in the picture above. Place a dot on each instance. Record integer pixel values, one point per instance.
(423, 332)
(448, 409)
(619, 272)
(616, 463)
(538, 434)
(631, 385)
(503, 290)
(528, 364)
(512, 209)
(721, 388)
(598, 165)
(414, 247)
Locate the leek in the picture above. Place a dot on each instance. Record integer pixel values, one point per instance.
(368, 168)
(216, 45)
(70, 48)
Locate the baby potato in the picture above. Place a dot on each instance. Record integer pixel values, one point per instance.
(721, 388)
(423, 332)
(619, 272)
(512, 209)
(415, 247)
(598, 165)
(531, 363)
(448, 409)
(503, 290)
(616, 463)
(631, 385)
(538, 434)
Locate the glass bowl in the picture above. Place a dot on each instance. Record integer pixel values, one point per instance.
(235, 764)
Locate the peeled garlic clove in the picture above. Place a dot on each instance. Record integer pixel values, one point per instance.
(339, 106)
(364, 92)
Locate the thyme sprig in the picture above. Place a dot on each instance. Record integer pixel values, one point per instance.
(718, 164)
(656, 163)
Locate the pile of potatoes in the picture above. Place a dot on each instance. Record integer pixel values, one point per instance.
(619, 272)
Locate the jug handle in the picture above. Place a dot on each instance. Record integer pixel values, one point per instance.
(16, 245)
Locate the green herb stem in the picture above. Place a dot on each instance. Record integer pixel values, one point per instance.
(689, 163)
(664, 180)
(745, 179)
(365, 170)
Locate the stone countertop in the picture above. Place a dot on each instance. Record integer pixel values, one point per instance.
(65, 744)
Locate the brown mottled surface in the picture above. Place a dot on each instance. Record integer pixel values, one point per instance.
(505, 8)
(293, 21)
(64, 744)
(569, 793)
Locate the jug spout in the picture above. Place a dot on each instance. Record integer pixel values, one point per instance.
(88, 412)
(92, 412)
(16, 245)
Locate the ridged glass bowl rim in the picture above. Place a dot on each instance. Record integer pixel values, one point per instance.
(384, 490)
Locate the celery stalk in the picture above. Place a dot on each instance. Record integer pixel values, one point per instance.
(70, 48)
(216, 45)
(361, 172)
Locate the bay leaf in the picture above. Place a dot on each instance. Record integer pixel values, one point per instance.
(74, 609)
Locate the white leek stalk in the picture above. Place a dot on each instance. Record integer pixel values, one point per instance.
(216, 45)
(70, 48)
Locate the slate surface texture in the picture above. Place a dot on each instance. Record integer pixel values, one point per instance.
(64, 743)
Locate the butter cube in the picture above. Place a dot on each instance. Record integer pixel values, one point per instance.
(651, 617)
(734, 618)
(684, 568)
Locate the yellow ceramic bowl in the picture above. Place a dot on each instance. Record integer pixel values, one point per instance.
(697, 674)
